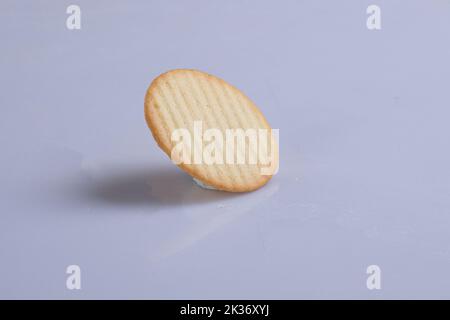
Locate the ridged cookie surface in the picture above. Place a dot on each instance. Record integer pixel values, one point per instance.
(178, 98)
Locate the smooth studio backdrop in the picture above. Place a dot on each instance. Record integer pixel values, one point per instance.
(364, 132)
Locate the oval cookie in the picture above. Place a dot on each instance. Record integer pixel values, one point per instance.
(211, 130)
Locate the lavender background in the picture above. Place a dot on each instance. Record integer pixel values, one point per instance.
(364, 131)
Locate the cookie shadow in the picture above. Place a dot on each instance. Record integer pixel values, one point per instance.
(149, 187)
